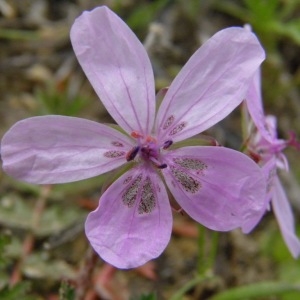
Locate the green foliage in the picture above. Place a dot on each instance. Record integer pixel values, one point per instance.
(54, 101)
(66, 291)
(18, 291)
(271, 20)
(257, 291)
(150, 296)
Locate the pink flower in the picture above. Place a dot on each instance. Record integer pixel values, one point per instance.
(218, 187)
(266, 149)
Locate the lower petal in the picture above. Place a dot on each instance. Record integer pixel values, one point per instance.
(220, 188)
(284, 215)
(133, 221)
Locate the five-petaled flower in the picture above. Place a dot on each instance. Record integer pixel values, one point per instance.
(266, 149)
(218, 187)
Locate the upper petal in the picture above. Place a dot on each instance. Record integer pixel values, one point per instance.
(133, 221)
(117, 66)
(57, 149)
(266, 125)
(218, 187)
(211, 84)
(284, 215)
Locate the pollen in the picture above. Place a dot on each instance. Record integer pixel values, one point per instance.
(136, 134)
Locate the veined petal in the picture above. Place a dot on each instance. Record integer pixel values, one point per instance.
(213, 82)
(218, 187)
(269, 171)
(133, 222)
(58, 149)
(118, 67)
(255, 106)
(284, 215)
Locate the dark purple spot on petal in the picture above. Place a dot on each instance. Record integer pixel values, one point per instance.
(114, 153)
(190, 163)
(117, 144)
(147, 203)
(168, 122)
(167, 144)
(188, 183)
(130, 194)
(132, 153)
(178, 128)
(127, 180)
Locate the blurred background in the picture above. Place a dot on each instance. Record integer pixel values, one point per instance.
(44, 253)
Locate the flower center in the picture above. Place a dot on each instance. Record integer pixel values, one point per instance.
(148, 149)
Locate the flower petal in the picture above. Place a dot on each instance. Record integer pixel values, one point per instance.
(118, 67)
(133, 222)
(284, 215)
(266, 125)
(212, 83)
(218, 187)
(57, 149)
(269, 171)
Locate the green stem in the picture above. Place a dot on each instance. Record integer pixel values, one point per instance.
(189, 285)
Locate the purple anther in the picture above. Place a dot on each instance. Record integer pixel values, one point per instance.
(132, 153)
(162, 166)
(167, 144)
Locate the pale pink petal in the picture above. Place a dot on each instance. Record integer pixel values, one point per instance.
(218, 187)
(57, 149)
(117, 66)
(285, 218)
(255, 105)
(213, 82)
(133, 222)
(269, 171)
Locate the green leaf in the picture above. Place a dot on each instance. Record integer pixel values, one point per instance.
(66, 291)
(18, 291)
(150, 296)
(257, 290)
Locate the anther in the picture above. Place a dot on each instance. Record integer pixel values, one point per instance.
(162, 166)
(167, 144)
(136, 135)
(132, 153)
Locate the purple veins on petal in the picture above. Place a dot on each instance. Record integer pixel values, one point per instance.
(147, 203)
(189, 183)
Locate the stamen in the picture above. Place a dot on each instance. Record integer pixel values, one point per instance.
(157, 163)
(150, 139)
(136, 134)
(167, 144)
(132, 153)
(162, 166)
